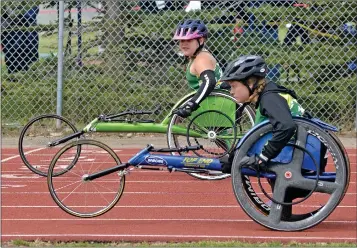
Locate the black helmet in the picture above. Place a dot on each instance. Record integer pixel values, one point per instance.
(244, 67)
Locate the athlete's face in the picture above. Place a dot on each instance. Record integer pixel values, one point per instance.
(239, 91)
(189, 47)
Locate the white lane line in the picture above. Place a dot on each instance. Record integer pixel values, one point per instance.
(32, 151)
(270, 237)
(6, 186)
(127, 181)
(19, 176)
(163, 206)
(120, 219)
(130, 192)
(133, 171)
(16, 156)
(132, 181)
(180, 220)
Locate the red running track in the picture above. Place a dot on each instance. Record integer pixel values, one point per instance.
(156, 206)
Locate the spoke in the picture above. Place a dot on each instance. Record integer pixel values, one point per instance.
(221, 103)
(90, 168)
(298, 155)
(276, 210)
(202, 129)
(101, 194)
(71, 171)
(85, 198)
(68, 185)
(322, 187)
(221, 143)
(81, 164)
(109, 190)
(99, 164)
(70, 193)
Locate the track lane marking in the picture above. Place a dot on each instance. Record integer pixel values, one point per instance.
(16, 156)
(270, 237)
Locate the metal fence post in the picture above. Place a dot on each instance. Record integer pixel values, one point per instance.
(79, 32)
(60, 60)
(107, 59)
(356, 114)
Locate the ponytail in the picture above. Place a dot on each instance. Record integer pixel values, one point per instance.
(258, 87)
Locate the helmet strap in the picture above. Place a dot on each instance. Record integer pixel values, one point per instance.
(200, 46)
(251, 91)
(255, 85)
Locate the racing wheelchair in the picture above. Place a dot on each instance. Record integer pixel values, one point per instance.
(44, 135)
(297, 190)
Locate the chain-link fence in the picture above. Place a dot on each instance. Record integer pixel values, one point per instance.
(120, 54)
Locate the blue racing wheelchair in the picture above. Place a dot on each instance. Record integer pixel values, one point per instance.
(297, 190)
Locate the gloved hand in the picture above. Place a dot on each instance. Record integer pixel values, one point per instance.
(255, 162)
(226, 162)
(186, 110)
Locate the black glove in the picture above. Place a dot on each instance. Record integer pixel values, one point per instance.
(255, 162)
(226, 162)
(186, 110)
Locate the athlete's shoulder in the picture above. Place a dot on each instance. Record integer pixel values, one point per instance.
(205, 55)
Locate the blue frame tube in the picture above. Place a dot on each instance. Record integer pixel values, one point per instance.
(144, 157)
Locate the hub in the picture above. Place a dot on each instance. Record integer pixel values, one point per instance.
(84, 178)
(288, 174)
(212, 135)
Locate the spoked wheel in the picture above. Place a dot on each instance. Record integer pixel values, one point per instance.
(219, 101)
(218, 139)
(80, 197)
(35, 137)
(289, 179)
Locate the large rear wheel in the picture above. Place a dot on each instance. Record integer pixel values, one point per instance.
(222, 102)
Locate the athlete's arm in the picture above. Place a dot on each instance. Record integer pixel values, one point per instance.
(204, 66)
(277, 110)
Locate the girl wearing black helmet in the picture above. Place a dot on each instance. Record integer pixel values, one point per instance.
(203, 71)
(246, 76)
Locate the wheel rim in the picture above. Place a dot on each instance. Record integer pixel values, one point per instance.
(86, 198)
(330, 193)
(222, 136)
(35, 137)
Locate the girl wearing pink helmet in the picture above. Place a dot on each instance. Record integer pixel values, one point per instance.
(203, 71)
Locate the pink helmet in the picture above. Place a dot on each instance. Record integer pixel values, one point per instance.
(191, 29)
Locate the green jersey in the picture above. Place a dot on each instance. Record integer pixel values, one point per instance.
(294, 106)
(194, 81)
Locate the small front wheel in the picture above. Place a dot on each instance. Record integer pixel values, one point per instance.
(35, 137)
(80, 197)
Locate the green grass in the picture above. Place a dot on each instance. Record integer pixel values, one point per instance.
(38, 243)
(49, 44)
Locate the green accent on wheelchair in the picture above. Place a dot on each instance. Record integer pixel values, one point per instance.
(167, 119)
(142, 128)
(221, 104)
(227, 139)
